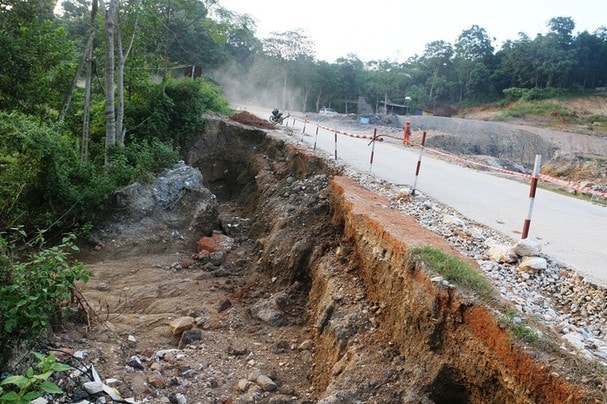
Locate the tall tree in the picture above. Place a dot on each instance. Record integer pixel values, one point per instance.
(111, 18)
(473, 51)
(437, 58)
(34, 60)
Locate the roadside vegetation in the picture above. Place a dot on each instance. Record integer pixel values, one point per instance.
(454, 270)
(109, 93)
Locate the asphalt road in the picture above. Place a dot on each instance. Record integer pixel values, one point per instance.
(571, 231)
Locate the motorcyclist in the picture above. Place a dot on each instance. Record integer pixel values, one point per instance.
(276, 114)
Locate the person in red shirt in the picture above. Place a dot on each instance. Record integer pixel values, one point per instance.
(407, 134)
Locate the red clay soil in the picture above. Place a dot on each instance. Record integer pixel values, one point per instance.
(247, 118)
(434, 325)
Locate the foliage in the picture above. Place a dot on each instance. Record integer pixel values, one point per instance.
(534, 94)
(139, 160)
(454, 270)
(36, 61)
(33, 289)
(35, 383)
(176, 115)
(42, 178)
(548, 109)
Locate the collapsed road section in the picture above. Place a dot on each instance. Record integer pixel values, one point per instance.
(385, 327)
(265, 273)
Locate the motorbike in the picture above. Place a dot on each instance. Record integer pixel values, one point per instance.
(276, 118)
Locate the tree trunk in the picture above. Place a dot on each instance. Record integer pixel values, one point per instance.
(122, 57)
(120, 90)
(83, 62)
(86, 114)
(110, 115)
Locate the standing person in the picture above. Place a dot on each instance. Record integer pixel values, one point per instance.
(407, 134)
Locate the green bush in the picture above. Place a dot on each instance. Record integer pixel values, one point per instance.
(176, 115)
(33, 289)
(35, 383)
(139, 160)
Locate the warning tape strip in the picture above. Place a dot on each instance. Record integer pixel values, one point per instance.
(340, 132)
(567, 184)
(546, 178)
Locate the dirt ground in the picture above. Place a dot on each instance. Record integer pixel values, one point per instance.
(134, 299)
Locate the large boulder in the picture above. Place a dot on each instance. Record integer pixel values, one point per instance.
(176, 206)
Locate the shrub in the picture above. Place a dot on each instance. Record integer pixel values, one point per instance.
(33, 289)
(35, 383)
(174, 116)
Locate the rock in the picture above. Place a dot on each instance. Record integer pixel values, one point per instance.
(103, 287)
(527, 247)
(266, 383)
(190, 336)
(177, 398)
(93, 387)
(501, 253)
(533, 264)
(157, 379)
(243, 385)
(181, 324)
(280, 399)
(224, 305)
(306, 345)
(268, 312)
(135, 363)
(269, 315)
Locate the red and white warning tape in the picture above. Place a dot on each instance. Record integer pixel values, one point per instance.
(341, 132)
(567, 184)
(546, 178)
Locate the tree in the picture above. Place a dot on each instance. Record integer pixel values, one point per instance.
(284, 51)
(473, 51)
(111, 19)
(437, 57)
(35, 60)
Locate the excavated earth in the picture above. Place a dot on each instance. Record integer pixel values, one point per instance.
(309, 294)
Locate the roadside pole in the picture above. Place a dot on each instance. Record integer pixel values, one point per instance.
(316, 137)
(372, 143)
(335, 144)
(533, 187)
(419, 162)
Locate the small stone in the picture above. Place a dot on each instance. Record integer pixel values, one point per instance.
(93, 387)
(181, 324)
(306, 345)
(157, 379)
(224, 305)
(177, 398)
(190, 336)
(266, 383)
(243, 385)
(103, 287)
(135, 363)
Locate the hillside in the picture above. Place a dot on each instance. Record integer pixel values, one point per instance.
(587, 115)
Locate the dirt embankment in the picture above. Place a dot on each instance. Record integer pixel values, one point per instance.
(346, 315)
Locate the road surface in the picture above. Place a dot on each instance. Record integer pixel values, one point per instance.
(572, 231)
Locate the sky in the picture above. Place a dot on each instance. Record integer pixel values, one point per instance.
(395, 30)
